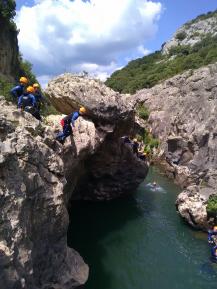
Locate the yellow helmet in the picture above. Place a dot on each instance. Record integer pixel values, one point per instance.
(82, 110)
(36, 85)
(135, 139)
(30, 89)
(215, 228)
(23, 80)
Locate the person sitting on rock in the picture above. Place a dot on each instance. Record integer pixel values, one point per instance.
(18, 90)
(27, 101)
(211, 234)
(67, 124)
(38, 96)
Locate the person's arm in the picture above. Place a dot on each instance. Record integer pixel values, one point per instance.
(14, 91)
(20, 101)
(33, 100)
(74, 117)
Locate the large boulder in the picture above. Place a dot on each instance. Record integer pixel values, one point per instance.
(68, 92)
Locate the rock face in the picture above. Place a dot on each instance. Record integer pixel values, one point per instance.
(39, 178)
(193, 32)
(34, 219)
(9, 66)
(183, 117)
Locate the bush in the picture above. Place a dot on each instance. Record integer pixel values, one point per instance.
(181, 35)
(26, 70)
(5, 87)
(7, 13)
(212, 206)
(149, 141)
(7, 9)
(143, 112)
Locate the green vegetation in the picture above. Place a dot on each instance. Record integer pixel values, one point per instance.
(7, 12)
(181, 35)
(148, 71)
(143, 112)
(48, 108)
(212, 206)
(202, 17)
(26, 70)
(149, 141)
(5, 87)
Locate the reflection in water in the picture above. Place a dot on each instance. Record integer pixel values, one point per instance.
(139, 242)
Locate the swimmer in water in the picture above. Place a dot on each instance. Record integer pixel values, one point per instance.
(154, 184)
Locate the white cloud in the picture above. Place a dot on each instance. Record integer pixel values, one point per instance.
(144, 51)
(63, 35)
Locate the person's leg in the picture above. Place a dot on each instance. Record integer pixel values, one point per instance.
(67, 131)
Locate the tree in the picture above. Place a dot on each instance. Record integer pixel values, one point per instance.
(26, 69)
(7, 9)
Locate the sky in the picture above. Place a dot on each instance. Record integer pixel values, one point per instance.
(97, 36)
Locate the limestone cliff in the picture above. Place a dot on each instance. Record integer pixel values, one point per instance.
(183, 116)
(193, 31)
(9, 64)
(39, 178)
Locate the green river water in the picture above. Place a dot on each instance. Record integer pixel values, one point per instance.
(139, 242)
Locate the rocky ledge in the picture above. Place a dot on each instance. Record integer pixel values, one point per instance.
(39, 178)
(183, 117)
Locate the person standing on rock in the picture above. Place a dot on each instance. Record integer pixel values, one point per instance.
(38, 96)
(18, 90)
(27, 102)
(67, 124)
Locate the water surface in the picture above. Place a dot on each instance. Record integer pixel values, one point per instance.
(139, 242)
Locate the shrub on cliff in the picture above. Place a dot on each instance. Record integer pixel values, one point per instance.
(5, 87)
(7, 9)
(26, 70)
(7, 12)
(212, 206)
(181, 35)
(143, 112)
